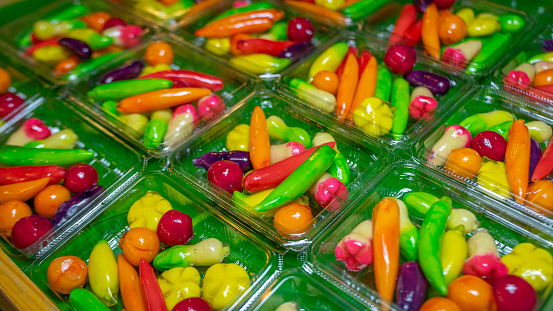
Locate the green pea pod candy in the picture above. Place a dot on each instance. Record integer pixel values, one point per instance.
(419, 203)
(156, 128)
(84, 300)
(511, 23)
(127, 88)
(206, 253)
(21, 156)
(259, 63)
(340, 169)
(280, 31)
(111, 107)
(319, 99)
(262, 5)
(329, 60)
(300, 180)
(95, 40)
(502, 129)
(64, 139)
(363, 8)
(89, 66)
(383, 84)
(545, 57)
(400, 100)
(483, 121)
(489, 54)
(279, 130)
(408, 234)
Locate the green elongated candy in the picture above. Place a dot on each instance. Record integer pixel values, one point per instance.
(317, 98)
(490, 52)
(206, 253)
(400, 100)
(84, 300)
(21, 156)
(279, 130)
(127, 88)
(64, 139)
(95, 40)
(89, 66)
(383, 84)
(511, 23)
(408, 235)
(280, 31)
(340, 169)
(502, 129)
(156, 128)
(300, 180)
(363, 8)
(329, 60)
(544, 57)
(111, 107)
(262, 5)
(479, 122)
(419, 203)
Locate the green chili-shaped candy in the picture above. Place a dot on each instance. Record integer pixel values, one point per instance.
(127, 88)
(280, 31)
(502, 129)
(383, 84)
(205, 253)
(340, 169)
(408, 234)
(84, 300)
(363, 8)
(90, 65)
(419, 203)
(400, 100)
(279, 130)
(156, 128)
(21, 156)
(489, 54)
(300, 180)
(111, 107)
(262, 5)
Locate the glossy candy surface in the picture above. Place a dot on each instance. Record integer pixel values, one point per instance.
(513, 293)
(80, 177)
(227, 175)
(139, 243)
(28, 230)
(490, 144)
(300, 30)
(10, 213)
(48, 200)
(175, 228)
(400, 59)
(66, 273)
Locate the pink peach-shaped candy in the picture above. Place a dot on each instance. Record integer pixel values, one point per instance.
(284, 151)
(484, 260)
(461, 54)
(329, 192)
(422, 107)
(521, 77)
(355, 249)
(183, 121)
(455, 136)
(124, 36)
(210, 106)
(32, 129)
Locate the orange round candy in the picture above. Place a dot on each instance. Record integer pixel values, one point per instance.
(543, 78)
(140, 242)
(439, 304)
(463, 162)
(97, 20)
(540, 193)
(49, 199)
(471, 293)
(327, 81)
(159, 53)
(452, 28)
(66, 273)
(293, 219)
(5, 81)
(10, 213)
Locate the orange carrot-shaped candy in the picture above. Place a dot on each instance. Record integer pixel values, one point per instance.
(386, 246)
(161, 99)
(129, 285)
(347, 86)
(366, 86)
(247, 22)
(260, 144)
(430, 36)
(315, 9)
(517, 159)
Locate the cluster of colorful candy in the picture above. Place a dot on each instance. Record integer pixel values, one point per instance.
(152, 221)
(36, 159)
(142, 97)
(341, 12)
(257, 38)
(498, 137)
(8, 101)
(438, 257)
(281, 173)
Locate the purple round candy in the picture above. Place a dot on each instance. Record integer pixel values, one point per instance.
(227, 175)
(547, 45)
(78, 47)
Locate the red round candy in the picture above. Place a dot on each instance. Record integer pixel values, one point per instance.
(300, 30)
(8, 103)
(489, 144)
(227, 175)
(175, 228)
(193, 304)
(444, 4)
(80, 177)
(28, 230)
(400, 59)
(513, 293)
(114, 21)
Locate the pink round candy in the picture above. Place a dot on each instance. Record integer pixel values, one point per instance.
(114, 21)
(518, 79)
(400, 59)
(513, 293)
(175, 228)
(36, 129)
(193, 304)
(227, 175)
(300, 30)
(80, 177)
(210, 106)
(8, 103)
(28, 230)
(489, 144)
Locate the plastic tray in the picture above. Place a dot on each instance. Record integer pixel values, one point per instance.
(382, 24)
(538, 8)
(13, 31)
(115, 162)
(530, 49)
(186, 58)
(245, 249)
(460, 84)
(398, 180)
(322, 34)
(361, 155)
(487, 99)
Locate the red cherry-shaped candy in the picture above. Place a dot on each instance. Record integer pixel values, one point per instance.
(8, 103)
(300, 30)
(210, 106)
(444, 4)
(114, 21)
(513, 293)
(227, 175)
(400, 59)
(489, 144)
(28, 230)
(80, 177)
(193, 304)
(175, 228)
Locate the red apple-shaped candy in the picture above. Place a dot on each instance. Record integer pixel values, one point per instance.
(513, 293)
(28, 230)
(400, 59)
(80, 177)
(227, 175)
(444, 4)
(193, 304)
(175, 228)
(114, 21)
(489, 144)
(210, 106)
(300, 30)
(8, 103)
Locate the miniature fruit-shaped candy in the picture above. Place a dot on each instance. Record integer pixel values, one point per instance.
(80, 177)
(223, 282)
(175, 228)
(194, 303)
(452, 28)
(139, 243)
(66, 273)
(540, 193)
(489, 144)
(49, 199)
(471, 293)
(439, 303)
(227, 175)
(300, 30)
(400, 59)
(327, 81)
(293, 219)
(147, 211)
(159, 53)
(513, 293)
(10, 213)
(5, 81)
(28, 230)
(463, 162)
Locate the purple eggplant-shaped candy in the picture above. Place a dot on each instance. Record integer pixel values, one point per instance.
(124, 73)
(547, 45)
(437, 84)
(69, 208)
(411, 286)
(242, 158)
(421, 5)
(296, 51)
(78, 47)
(535, 154)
